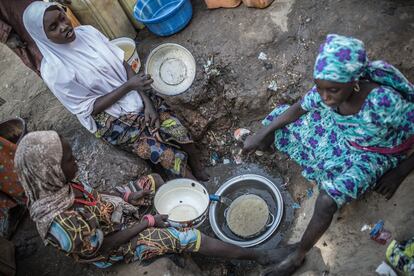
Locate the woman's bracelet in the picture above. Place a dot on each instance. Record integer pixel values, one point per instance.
(151, 220)
(126, 196)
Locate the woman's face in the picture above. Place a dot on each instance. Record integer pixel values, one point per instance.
(334, 93)
(68, 164)
(58, 27)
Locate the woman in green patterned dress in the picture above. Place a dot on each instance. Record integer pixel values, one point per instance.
(353, 127)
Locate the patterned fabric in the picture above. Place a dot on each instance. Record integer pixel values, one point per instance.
(344, 59)
(401, 256)
(159, 146)
(11, 191)
(319, 141)
(144, 183)
(38, 165)
(80, 232)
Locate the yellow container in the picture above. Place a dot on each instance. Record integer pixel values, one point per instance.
(214, 4)
(128, 7)
(105, 15)
(260, 4)
(130, 52)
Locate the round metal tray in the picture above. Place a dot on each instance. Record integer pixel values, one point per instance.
(255, 184)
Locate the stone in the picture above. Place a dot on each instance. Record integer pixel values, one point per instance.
(160, 267)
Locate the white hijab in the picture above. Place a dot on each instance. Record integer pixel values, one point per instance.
(81, 71)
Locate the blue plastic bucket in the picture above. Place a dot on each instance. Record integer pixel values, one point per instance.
(164, 17)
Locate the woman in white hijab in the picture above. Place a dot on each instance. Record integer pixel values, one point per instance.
(90, 78)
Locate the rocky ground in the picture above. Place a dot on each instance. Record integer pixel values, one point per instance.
(229, 93)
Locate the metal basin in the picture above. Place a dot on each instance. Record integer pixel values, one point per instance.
(240, 185)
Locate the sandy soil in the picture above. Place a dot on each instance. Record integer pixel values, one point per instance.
(289, 33)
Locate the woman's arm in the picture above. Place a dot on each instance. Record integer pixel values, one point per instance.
(134, 83)
(389, 182)
(151, 115)
(289, 116)
(115, 240)
(264, 137)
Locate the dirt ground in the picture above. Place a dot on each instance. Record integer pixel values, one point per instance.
(233, 92)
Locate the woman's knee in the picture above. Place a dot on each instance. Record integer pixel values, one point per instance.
(325, 204)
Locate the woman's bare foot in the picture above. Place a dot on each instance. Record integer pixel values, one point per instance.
(286, 267)
(274, 256)
(388, 184)
(196, 175)
(201, 175)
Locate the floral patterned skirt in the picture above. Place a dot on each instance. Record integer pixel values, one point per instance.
(344, 172)
(160, 146)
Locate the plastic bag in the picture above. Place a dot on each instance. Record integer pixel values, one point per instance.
(261, 4)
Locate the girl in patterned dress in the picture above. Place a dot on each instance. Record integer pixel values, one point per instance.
(355, 125)
(108, 227)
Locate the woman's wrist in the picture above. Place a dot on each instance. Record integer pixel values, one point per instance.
(129, 86)
(150, 220)
(125, 196)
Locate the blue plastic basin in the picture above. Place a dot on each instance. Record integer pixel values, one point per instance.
(164, 17)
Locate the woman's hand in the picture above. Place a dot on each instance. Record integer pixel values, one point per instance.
(161, 221)
(140, 198)
(389, 183)
(140, 82)
(152, 119)
(257, 141)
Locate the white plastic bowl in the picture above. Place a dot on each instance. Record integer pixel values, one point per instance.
(172, 67)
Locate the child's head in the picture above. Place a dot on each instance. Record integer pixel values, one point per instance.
(44, 163)
(68, 163)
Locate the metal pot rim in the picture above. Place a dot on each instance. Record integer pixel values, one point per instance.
(203, 214)
(269, 232)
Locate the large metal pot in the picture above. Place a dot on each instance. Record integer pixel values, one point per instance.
(185, 201)
(239, 183)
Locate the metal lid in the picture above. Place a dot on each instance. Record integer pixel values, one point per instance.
(172, 68)
(247, 215)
